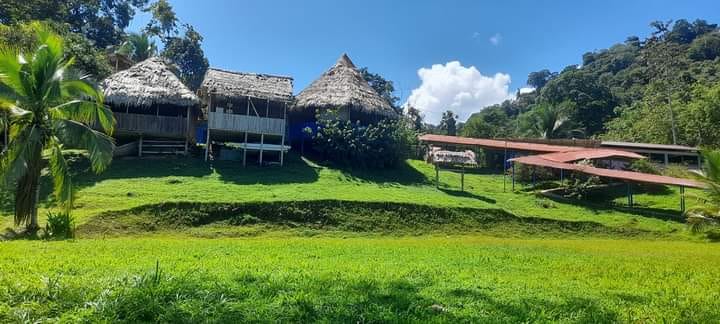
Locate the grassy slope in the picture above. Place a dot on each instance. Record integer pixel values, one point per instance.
(130, 183)
(467, 278)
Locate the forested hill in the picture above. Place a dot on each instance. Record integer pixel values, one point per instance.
(662, 89)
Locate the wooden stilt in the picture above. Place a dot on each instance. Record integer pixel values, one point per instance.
(140, 145)
(437, 177)
(207, 143)
(262, 142)
(513, 176)
(187, 131)
(245, 151)
(682, 199)
(282, 140)
(629, 195)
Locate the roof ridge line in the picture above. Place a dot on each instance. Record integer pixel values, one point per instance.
(252, 73)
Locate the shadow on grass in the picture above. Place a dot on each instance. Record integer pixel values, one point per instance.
(403, 174)
(294, 170)
(465, 194)
(579, 309)
(597, 206)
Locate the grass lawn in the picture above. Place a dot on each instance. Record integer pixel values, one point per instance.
(359, 279)
(130, 183)
(221, 243)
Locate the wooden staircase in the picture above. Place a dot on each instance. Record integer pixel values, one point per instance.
(161, 147)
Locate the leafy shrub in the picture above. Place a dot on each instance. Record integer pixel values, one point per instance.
(580, 188)
(524, 173)
(379, 145)
(644, 166)
(60, 226)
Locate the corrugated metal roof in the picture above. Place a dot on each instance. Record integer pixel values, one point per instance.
(538, 160)
(496, 144)
(649, 146)
(590, 154)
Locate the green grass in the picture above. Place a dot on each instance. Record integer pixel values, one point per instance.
(309, 243)
(359, 279)
(131, 183)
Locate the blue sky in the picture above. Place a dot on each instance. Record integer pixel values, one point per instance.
(503, 40)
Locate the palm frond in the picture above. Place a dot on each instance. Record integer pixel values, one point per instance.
(73, 134)
(62, 180)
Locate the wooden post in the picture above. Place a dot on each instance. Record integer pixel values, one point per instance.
(207, 143)
(437, 177)
(245, 151)
(629, 195)
(533, 178)
(682, 199)
(561, 177)
(462, 179)
(282, 140)
(187, 131)
(513, 176)
(667, 160)
(140, 144)
(262, 142)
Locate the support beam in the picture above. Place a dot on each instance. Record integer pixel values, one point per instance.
(262, 142)
(207, 144)
(245, 151)
(513, 176)
(629, 195)
(187, 131)
(682, 199)
(437, 177)
(140, 145)
(462, 179)
(282, 140)
(667, 159)
(562, 177)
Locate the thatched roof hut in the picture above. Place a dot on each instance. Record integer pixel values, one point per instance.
(148, 83)
(228, 84)
(343, 86)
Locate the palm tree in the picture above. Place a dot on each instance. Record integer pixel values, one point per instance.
(448, 122)
(550, 121)
(49, 108)
(699, 217)
(137, 47)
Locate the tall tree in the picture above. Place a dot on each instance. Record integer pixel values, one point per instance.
(538, 79)
(50, 108)
(187, 54)
(415, 118)
(102, 22)
(164, 21)
(551, 121)
(138, 47)
(385, 88)
(448, 123)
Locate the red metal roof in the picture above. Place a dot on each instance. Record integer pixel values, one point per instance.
(538, 160)
(496, 144)
(590, 154)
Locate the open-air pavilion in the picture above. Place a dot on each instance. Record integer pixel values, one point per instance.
(565, 159)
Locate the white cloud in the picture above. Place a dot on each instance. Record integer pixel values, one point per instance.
(525, 90)
(495, 39)
(463, 90)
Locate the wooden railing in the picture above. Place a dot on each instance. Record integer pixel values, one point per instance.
(151, 124)
(245, 123)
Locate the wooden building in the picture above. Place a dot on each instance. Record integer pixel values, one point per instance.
(248, 111)
(153, 107)
(341, 87)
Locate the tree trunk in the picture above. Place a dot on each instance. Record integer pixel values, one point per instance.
(33, 226)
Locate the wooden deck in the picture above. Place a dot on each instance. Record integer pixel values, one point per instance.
(151, 125)
(246, 123)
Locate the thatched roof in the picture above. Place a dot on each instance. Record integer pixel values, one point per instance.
(237, 84)
(343, 86)
(148, 83)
